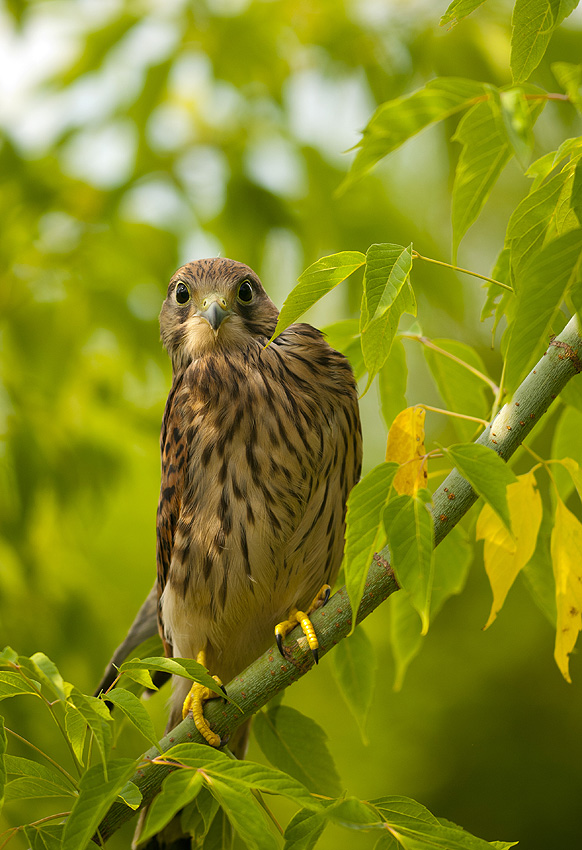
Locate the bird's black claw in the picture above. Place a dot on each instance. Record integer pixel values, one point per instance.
(326, 596)
(223, 689)
(279, 640)
(315, 653)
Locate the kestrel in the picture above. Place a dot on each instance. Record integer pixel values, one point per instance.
(260, 446)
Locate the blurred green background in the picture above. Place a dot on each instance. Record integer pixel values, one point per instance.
(139, 135)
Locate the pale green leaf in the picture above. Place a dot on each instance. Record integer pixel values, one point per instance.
(570, 78)
(458, 10)
(353, 663)
(379, 334)
(30, 787)
(186, 667)
(488, 475)
(3, 767)
(392, 380)
(394, 122)
(516, 117)
(355, 814)
(130, 795)
(566, 444)
(409, 527)
(303, 830)
(135, 711)
(97, 793)
(393, 806)
(178, 789)
(461, 389)
(344, 336)
(97, 717)
(76, 730)
(405, 628)
(47, 837)
(387, 269)
(544, 283)
(46, 672)
(198, 817)
(315, 282)
(296, 745)
(363, 522)
(13, 684)
(533, 23)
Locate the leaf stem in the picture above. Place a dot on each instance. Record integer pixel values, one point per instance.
(483, 422)
(59, 767)
(430, 344)
(417, 256)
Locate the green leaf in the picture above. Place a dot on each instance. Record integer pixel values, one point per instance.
(366, 504)
(186, 667)
(548, 211)
(409, 527)
(452, 561)
(392, 380)
(197, 818)
(46, 672)
(97, 793)
(130, 795)
(315, 282)
(533, 23)
(570, 78)
(387, 269)
(394, 122)
(405, 634)
(135, 712)
(3, 767)
(76, 729)
(461, 389)
(458, 10)
(379, 334)
(8, 657)
(245, 816)
(298, 746)
(393, 806)
(486, 133)
(178, 789)
(30, 787)
(344, 336)
(304, 830)
(242, 774)
(96, 715)
(353, 663)
(488, 475)
(13, 684)
(544, 283)
(352, 813)
(516, 116)
(47, 837)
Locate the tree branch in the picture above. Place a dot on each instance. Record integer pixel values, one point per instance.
(270, 674)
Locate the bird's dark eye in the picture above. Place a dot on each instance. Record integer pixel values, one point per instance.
(245, 292)
(182, 293)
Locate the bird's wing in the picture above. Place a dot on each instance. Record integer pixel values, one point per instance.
(173, 448)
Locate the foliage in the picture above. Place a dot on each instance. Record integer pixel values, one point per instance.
(184, 148)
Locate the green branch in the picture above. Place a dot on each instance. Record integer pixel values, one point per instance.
(270, 674)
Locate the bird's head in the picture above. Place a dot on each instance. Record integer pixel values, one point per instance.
(214, 304)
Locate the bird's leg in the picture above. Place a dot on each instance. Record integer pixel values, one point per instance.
(302, 617)
(194, 702)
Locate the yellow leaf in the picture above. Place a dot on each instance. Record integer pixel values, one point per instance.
(566, 550)
(506, 554)
(406, 447)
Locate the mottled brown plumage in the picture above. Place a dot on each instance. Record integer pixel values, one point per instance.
(260, 448)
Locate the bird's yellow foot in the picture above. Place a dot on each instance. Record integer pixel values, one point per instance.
(302, 617)
(194, 702)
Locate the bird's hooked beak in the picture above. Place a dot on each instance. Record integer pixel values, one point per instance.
(214, 308)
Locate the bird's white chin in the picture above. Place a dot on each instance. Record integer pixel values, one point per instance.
(200, 338)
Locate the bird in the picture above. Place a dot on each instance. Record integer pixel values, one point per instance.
(260, 446)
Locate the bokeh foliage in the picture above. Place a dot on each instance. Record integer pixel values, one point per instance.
(158, 132)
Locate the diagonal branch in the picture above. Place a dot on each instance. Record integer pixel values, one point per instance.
(270, 674)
